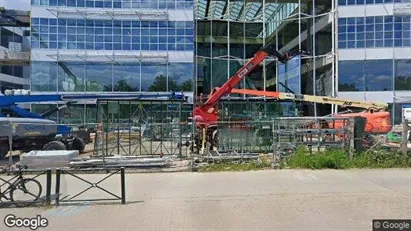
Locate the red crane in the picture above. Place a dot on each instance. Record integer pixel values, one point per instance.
(205, 114)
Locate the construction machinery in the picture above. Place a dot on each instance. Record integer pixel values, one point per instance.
(377, 115)
(23, 130)
(378, 119)
(206, 114)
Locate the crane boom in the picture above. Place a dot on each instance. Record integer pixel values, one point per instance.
(206, 113)
(314, 99)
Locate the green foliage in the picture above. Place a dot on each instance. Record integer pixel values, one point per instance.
(337, 159)
(333, 159)
(231, 167)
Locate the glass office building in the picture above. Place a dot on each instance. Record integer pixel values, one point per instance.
(110, 46)
(374, 52)
(228, 33)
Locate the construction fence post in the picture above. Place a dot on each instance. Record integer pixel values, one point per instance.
(123, 185)
(58, 172)
(405, 129)
(48, 186)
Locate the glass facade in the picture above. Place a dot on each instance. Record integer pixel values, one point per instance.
(112, 34)
(99, 77)
(228, 33)
(118, 4)
(376, 31)
(375, 71)
(362, 2)
(148, 48)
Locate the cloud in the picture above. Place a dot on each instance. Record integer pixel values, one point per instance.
(16, 4)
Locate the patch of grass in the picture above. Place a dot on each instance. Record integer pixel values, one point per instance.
(232, 167)
(337, 159)
(333, 159)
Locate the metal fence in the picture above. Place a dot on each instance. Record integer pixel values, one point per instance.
(147, 139)
(284, 135)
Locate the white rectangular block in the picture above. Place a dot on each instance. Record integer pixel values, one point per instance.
(48, 159)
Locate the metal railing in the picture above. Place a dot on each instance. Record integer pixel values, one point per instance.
(11, 181)
(151, 139)
(283, 135)
(64, 197)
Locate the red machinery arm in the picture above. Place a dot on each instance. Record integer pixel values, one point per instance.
(206, 112)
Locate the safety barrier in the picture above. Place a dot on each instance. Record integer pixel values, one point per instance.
(62, 198)
(42, 191)
(148, 139)
(281, 136)
(21, 178)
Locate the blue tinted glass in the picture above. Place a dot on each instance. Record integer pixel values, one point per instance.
(360, 36)
(351, 44)
(388, 43)
(117, 46)
(108, 39)
(379, 43)
(388, 19)
(369, 28)
(378, 75)
(135, 39)
(360, 44)
(351, 21)
(108, 4)
(153, 47)
(145, 46)
(342, 45)
(153, 39)
(342, 21)
(108, 46)
(342, 28)
(388, 26)
(398, 42)
(342, 2)
(98, 4)
(369, 43)
(71, 2)
(388, 35)
(162, 47)
(406, 42)
(369, 20)
(398, 26)
(53, 2)
(81, 3)
(127, 39)
(52, 37)
(351, 36)
(379, 27)
(135, 46)
(360, 20)
(53, 45)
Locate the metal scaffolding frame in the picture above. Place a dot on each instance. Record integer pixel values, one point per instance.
(88, 13)
(111, 58)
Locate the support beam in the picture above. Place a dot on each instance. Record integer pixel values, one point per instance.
(224, 40)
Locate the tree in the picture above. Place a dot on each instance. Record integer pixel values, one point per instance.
(186, 85)
(347, 87)
(122, 85)
(160, 84)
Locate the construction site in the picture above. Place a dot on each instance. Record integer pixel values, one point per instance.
(263, 84)
(205, 114)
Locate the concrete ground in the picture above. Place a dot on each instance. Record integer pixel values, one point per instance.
(261, 200)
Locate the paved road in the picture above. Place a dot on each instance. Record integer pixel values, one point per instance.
(262, 200)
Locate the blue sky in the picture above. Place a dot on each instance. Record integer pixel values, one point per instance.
(15, 4)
